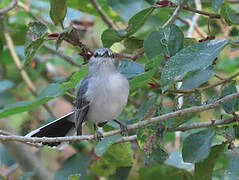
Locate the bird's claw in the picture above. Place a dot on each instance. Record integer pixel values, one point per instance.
(98, 135)
(123, 129)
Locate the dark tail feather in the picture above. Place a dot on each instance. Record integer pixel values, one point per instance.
(58, 128)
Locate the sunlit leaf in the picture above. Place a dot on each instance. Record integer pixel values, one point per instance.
(191, 58)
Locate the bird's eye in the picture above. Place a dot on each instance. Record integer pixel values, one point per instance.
(96, 54)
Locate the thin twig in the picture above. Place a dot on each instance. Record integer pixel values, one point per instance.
(12, 4)
(133, 57)
(203, 124)
(18, 64)
(129, 127)
(62, 55)
(207, 87)
(105, 18)
(174, 15)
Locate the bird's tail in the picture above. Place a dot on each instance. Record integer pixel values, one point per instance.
(63, 126)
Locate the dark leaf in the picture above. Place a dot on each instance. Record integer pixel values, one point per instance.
(76, 164)
(204, 169)
(109, 37)
(122, 173)
(138, 20)
(130, 69)
(196, 78)
(229, 106)
(197, 146)
(58, 11)
(191, 58)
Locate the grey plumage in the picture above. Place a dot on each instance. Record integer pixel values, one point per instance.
(101, 95)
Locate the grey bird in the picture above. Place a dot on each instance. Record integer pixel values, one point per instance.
(101, 97)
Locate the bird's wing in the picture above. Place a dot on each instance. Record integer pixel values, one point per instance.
(82, 105)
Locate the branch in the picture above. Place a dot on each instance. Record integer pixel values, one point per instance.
(175, 15)
(207, 87)
(105, 18)
(133, 57)
(170, 4)
(18, 64)
(62, 55)
(9, 7)
(129, 127)
(203, 124)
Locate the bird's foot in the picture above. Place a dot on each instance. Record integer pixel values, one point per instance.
(123, 128)
(98, 135)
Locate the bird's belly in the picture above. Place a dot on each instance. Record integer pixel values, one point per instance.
(108, 104)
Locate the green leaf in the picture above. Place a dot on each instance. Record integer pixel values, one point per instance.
(141, 79)
(74, 177)
(165, 41)
(6, 157)
(204, 169)
(87, 7)
(122, 173)
(146, 106)
(27, 175)
(37, 28)
(76, 164)
(229, 14)
(50, 92)
(229, 106)
(197, 146)
(196, 78)
(189, 41)
(216, 4)
(5, 85)
(118, 155)
(58, 11)
(37, 33)
(1, 45)
(132, 44)
(103, 145)
(191, 58)
(109, 37)
(138, 20)
(229, 65)
(130, 69)
(75, 78)
(159, 171)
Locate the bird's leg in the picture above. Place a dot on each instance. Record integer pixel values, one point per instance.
(123, 128)
(97, 135)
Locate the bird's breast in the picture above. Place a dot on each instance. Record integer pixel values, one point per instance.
(109, 96)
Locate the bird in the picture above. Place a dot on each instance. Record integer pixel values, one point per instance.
(100, 97)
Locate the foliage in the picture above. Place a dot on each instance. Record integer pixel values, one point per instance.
(168, 69)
